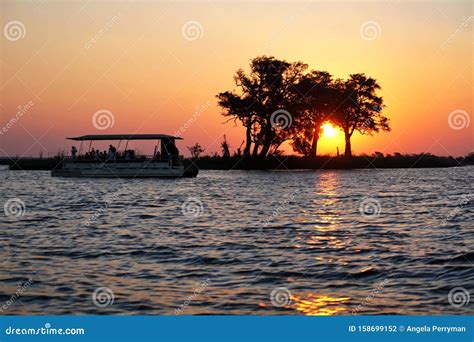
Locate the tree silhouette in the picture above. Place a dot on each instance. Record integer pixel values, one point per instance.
(318, 102)
(359, 108)
(195, 150)
(240, 108)
(270, 87)
(225, 148)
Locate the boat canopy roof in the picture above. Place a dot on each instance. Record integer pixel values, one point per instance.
(124, 137)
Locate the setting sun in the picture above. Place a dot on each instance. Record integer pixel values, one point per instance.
(328, 130)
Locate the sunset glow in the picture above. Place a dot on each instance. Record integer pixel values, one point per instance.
(328, 130)
(157, 67)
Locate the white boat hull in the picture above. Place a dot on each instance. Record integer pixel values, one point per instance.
(121, 170)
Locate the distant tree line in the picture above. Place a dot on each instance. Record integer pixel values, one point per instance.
(279, 101)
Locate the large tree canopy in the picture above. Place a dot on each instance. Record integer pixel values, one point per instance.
(265, 103)
(359, 109)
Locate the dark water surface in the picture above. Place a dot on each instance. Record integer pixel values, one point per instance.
(239, 242)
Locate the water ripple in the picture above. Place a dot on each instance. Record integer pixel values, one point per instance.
(256, 232)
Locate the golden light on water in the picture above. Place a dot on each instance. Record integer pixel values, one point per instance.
(313, 304)
(319, 305)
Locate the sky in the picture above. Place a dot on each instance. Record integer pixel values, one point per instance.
(88, 67)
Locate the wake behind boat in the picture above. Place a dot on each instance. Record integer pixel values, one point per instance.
(165, 161)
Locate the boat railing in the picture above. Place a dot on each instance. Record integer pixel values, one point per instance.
(175, 160)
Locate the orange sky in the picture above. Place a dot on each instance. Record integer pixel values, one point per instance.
(134, 60)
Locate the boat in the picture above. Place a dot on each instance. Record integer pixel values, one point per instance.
(165, 161)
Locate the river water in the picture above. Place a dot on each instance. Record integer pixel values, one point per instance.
(345, 242)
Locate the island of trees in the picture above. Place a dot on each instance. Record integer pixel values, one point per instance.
(280, 101)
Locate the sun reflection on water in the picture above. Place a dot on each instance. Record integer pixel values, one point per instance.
(327, 218)
(317, 305)
(324, 215)
(324, 235)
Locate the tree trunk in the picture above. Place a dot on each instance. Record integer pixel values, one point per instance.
(348, 149)
(264, 151)
(255, 149)
(314, 145)
(266, 140)
(248, 141)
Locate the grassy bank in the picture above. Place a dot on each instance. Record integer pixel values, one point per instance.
(26, 164)
(326, 162)
(282, 162)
